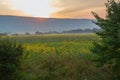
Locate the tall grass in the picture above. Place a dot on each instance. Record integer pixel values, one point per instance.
(59, 57)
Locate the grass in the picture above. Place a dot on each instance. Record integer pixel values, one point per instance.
(59, 57)
(63, 43)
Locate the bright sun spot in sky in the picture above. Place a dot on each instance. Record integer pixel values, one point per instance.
(36, 8)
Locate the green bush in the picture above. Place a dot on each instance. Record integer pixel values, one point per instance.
(108, 48)
(50, 66)
(10, 59)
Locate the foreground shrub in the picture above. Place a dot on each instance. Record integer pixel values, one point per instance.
(49, 66)
(10, 59)
(108, 48)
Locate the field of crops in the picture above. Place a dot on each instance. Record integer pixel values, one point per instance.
(59, 57)
(62, 43)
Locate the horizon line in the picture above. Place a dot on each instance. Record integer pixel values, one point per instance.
(44, 17)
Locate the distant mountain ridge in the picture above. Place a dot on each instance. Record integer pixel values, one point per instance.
(17, 24)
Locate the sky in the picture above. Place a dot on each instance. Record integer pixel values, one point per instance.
(53, 8)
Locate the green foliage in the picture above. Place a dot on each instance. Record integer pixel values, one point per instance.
(59, 57)
(108, 49)
(61, 67)
(10, 59)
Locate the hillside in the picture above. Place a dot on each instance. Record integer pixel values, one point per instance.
(17, 24)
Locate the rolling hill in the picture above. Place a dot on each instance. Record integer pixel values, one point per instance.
(17, 24)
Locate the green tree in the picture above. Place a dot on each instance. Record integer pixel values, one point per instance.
(10, 59)
(108, 48)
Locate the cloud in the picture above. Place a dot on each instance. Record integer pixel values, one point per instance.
(63, 8)
(77, 8)
(5, 9)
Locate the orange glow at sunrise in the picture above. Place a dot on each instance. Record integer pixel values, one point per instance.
(36, 8)
(53, 8)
